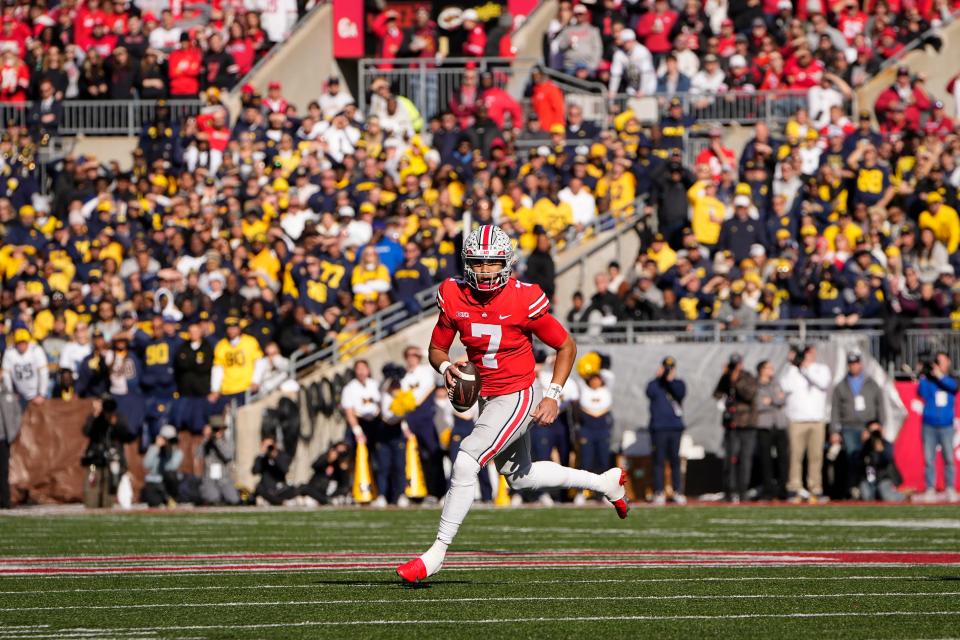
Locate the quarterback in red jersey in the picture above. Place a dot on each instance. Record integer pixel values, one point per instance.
(497, 318)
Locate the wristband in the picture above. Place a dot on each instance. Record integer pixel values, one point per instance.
(554, 391)
(446, 364)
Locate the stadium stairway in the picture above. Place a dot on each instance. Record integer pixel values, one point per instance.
(575, 269)
(310, 42)
(926, 61)
(528, 42)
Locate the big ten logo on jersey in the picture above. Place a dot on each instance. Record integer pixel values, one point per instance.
(235, 359)
(157, 354)
(463, 314)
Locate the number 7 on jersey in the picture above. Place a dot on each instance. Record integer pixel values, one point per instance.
(495, 332)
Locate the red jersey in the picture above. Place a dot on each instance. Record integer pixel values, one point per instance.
(498, 334)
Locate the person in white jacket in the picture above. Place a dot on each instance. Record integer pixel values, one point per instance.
(631, 70)
(806, 384)
(25, 369)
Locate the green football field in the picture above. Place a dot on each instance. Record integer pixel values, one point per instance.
(700, 571)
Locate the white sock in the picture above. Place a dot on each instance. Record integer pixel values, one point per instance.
(550, 475)
(456, 506)
(547, 475)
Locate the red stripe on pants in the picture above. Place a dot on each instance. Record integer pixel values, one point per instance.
(525, 403)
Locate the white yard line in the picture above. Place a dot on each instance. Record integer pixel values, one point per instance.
(518, 584)
(605, 618)
(418, 601)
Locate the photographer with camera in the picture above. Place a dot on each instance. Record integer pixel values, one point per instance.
(878, 473)
(938, 391)
(161, 463)
(666, 393)
(104, 457)
(806, 383)
(272, 466)
(737, 389)
(330, 483)
(216, 451)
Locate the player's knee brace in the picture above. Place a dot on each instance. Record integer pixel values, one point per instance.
(465, 470)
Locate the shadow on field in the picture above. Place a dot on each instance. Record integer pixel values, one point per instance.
(943, 578)
(388, 583)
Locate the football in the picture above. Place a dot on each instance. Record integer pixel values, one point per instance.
(466, 388)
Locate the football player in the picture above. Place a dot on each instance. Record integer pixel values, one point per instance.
(497, 317)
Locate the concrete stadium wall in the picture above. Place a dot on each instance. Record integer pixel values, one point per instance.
(107, 149)
(938, 67)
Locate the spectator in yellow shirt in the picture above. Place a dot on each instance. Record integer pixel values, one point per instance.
(618, 190)
(238, 366)
(661, 253)
(708, 215)
(943, 220)
(370, 278)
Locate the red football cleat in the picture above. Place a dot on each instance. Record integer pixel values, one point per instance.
(621, 505)
(415, 571)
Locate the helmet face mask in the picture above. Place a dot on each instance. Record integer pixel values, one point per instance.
(487, 245)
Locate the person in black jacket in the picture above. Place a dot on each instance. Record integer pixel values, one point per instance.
(272, 466)
(879, 476)
(331, 476)
(672, 205)
(191, 367)
(737, 389)
(541, 269)
(104, 457)
(666, 393)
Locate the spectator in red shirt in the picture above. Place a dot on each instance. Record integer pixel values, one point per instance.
(499, 103)
(909, 94)
(476, 42)
(390, 36)
(274, 100)
(213, 127)
(14, 79)
(12, 38)
(547, 101)
(185, 65)
(88, 16)
(716, 156)
(888, 46)
(654, 27)
(939, 122)
(241, 48)
(852, 21)
(803, 70)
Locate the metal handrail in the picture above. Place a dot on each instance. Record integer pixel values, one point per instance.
(916, 42)
(103, 117)
(600, 223)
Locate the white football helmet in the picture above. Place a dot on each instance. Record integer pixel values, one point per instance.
(485, 244)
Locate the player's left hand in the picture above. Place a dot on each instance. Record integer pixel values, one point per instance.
(546, 412)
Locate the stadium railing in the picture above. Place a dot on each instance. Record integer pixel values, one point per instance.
(428, 84)
(743, 107)
(915, 340)
(103, 117)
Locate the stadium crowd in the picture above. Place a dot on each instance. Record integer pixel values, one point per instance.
(231, 247)
(120, 50)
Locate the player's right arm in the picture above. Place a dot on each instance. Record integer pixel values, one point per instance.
(443, 335)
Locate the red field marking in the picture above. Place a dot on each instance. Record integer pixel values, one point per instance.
(550, 559)
(866, 557)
